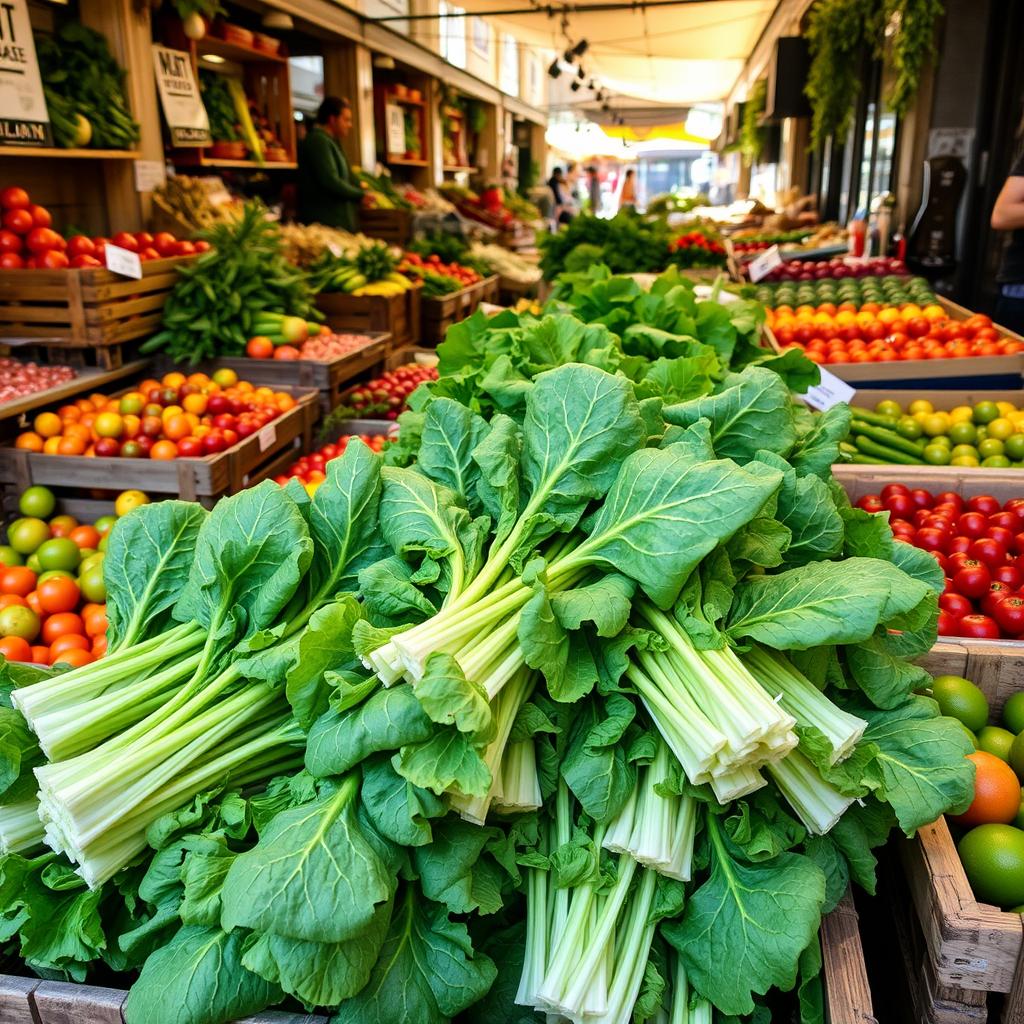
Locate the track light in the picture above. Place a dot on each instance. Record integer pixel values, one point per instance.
(575, 85)
(581, 75)
(599, 96)
(580, 48)
(569, 56)
(554, 71)
(592, 85)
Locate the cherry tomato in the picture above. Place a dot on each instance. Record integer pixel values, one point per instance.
(15, 648)
(983, 503)
(949, 624)
(979, 627)
(956, 604)
(996, 592)
(1010, 575)
(958, 544)
(922, 498)
(17, 579)
(889, 489)
(899, 504)
(972, 524)
(950, 498)
(1009, 614)
(931, 539)
(990, 551)
(75, 658)
(59, 594)
(972, 578)
(69, 642)
(1016, 506)
(60, 625)
(1005, 519)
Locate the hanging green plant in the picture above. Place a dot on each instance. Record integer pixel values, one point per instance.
(911, 46)
(476, 116)
(752, 134)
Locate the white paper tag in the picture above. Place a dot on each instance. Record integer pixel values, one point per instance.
(334, 249)
(149, 174)
(267, 436)
(765, 263)
(122, 261)
(831, 391)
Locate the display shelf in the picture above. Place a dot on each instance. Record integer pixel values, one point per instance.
(459, 168)
(71, 154)
(406, 102)
(237, 52)
(245, 165)
(402, 161)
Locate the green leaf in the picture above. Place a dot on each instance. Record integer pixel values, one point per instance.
(149, 555)
(453, 871)
(320, 973)
(665, 512)
(399, 810)
(825, 852)
(449, 698)
(448, 760)
(885, 679)
(202, 875)
(867, 534)
(390, 719)
(606, 603)
(497, 457)
(818, 448)
(390, 594)
(426, 972)
(198, 975)
(311, 876)
(18, 748)
(743, 930)
(451, 432)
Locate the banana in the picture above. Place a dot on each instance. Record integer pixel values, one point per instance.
(354, 283)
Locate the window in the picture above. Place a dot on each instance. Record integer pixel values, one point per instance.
(481, 38)
(453, 33)
(509, 65)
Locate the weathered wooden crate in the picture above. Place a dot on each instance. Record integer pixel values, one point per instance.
(391, 226)
(203, 479)
(329, 378)
(89, 307)
(397, 315)
(847, 992)
(438, 314)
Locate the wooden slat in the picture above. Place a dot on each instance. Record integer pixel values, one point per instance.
(15, 996)
(61, 1003)
(996, 666)
(847, 992)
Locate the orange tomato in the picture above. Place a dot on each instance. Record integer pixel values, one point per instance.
(6, 600)
(259, 348)
(285, 403)
(32, 600)
(176, 427)
(61, 625)
(17, 579)
(15, 648)
(40, 654)
(96, 623)
(164, 451)
(59, 594)
(91, 608)
(86, 536)
(99, 646)
(52, 445)
(173, 379)
(69, 412)
(84, 405)
(996, 792)
(71, 446)
(69, 642)
(79, 430)
(29, 442)
(74, 658)
(195, 403)
(47, 424)
(132, 425)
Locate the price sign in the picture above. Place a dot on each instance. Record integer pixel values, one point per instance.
(334, 249)
(267, 436)
(122, 261)
(149, 175)
(765, 264)
(24, 120)
(831, 391)
(180, 98)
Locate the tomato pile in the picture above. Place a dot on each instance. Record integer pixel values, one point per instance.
(28, 241)
(418, 266)
(174, 417)
(978, 543)
(696, 249)
(52, 594)
(18, 379)
(388, 392)
(324, 347)
(815, 270)
(311, 469)
(843, 334)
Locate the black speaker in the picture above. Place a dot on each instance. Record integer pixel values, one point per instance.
(787, 76)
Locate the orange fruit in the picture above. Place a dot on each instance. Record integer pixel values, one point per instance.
(52, 445)
(163, 451)
(176, 427)
(85, 537)
(195, 404)
(71, 446)
(30, 441)
(47, 424)
(108, 424)
(996, 792)
(174, 379)
(75, 658)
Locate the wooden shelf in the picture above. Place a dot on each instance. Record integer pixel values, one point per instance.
(208, 161)
(233, 51)
(457, 168)
(401, 161)
(71, 154)
(391, 98)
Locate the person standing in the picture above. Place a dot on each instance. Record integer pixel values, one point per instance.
(1008, 215)
(561, 212)
(328, 192)
(627, 198)
(594, 190)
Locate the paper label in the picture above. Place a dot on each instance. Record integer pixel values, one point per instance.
(831, 391)
(394, 124)
(334, 249)
(267, 436)
(149, 175)
(122, 261)
(179, 96)
(24, 120)
(765, 263)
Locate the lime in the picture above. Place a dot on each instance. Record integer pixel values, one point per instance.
(996, 741)
(1014, 446)
(104, 524)
(25, 535)
(19, 620)
(996, 462)
(963, 433)
(8, 556)
(990, 446)
(103, 542)
(936, 455)
(993, 858)
(37, 501)
(961, 699)
(887, 407)
(909, 428)
(92, 584)
(89, 562)
(59, 553)
(943, 440)
(982, 433)
(965, 460)
(1013, 712)
(964, 450)
(986, 412)
(1016, 757)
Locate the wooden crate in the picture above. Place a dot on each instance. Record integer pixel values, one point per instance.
(847, 992)
(85, 308)
(204, 479)
(397, 315)
(410, 354)
(391, 226)
(438, 314)
(329, 378)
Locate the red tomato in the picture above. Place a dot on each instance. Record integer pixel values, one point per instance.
(901, 505)
(972, 524)
(996, 592)
(1009, 614)
(922, 498)
(1001, 534)
(931, 539)
(956, 604)
(983, 503)
(53, 259)
(989, 551)
(125, 240)
(164, 243)
(871, 503)
(184, 249)
(17, 579)
(68, 642)
(85, 260)
(10, 242)
(14, 198)
(190, 448)
(81, 245)
(1010, 575)
(40, 655)
(202, 245)
(43, 240)
(972, 578)
(19, 221)
(144, 238)
(15, 648)
(40, 216)
(60, 625)
(959, 544)
(889, 489)
(75, 658)
(978, 627)
(59, 594)
(11, 261)
(949, 624)
(950, 498)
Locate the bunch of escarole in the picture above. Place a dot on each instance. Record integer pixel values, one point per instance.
(601, 703)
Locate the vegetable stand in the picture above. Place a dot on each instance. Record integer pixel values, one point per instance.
(397, 315)
(438, 314)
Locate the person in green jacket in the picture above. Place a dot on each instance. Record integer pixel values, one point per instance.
(328, 192)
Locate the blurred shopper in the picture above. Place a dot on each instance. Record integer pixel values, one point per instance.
(627, 197)
(1008, 215)
(594, 190)
(561, 212)
(328, 192)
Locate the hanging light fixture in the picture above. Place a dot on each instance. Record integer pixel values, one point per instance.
(554, 71)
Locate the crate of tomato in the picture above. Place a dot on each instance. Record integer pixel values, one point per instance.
(197, 437)
(451, 292)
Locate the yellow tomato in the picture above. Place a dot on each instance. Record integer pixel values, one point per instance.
(51, 445)
(888, 314)
(844, 318)
(933, 312)
(936, 423)
(174, 379)
(911, 309)
(1006, 408)
(961, 414)
(128, 500)
(108, 424)
(920, 405)
(1000, 428)
(171, 410)
(865, 319)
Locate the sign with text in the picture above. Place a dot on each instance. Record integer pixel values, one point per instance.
(122, 261)
(24, 120)
(179, 97)
(394, 125)
(765, 264)
(149, 175)
(830, 391)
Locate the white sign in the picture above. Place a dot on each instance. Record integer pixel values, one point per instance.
(267, 436)
(394, 122)
(24, 120)
(179, 97)
(765, 263)
(149, 174)
(122, 261)
(831, 391)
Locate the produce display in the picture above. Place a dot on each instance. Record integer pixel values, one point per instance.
(18, 379)
(877, 290)
(989, 434)
(426, 201)
(372, 269)
(173, 417)
(380, 193)
(310, 470)
(28, 242)
(628, 243)
(84, 90)
(895, 331)
(839, 268)
(697, 248)
(384, 396)
(197, 202)
(321, 346)
(279, 336)
(990, 833)
(508, 264)
(495, 207)
(221, 298)
(449, 247)
(52, 590)
(439, 278)
(752, 242)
